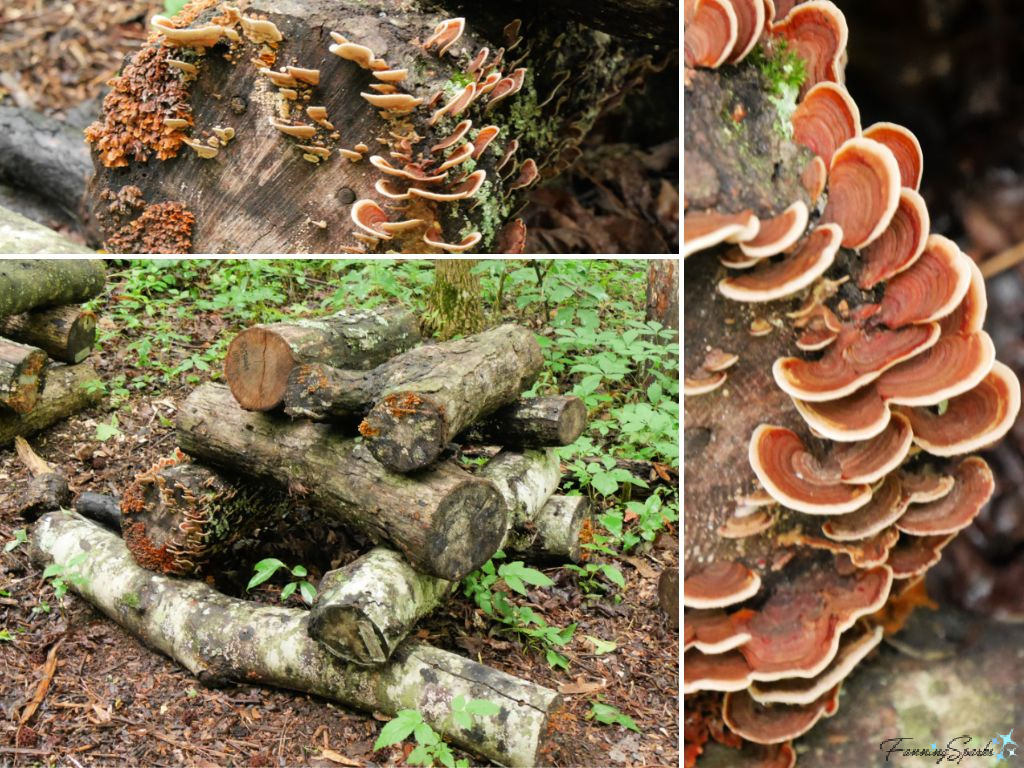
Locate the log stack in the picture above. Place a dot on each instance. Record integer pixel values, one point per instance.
(45, 338)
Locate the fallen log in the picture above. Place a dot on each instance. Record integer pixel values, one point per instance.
(47, 489)
(526, 481)
(383, 161)
(430, 394)
(221, 639)
(533, 422)
(36, 283)
(69, 389)
(177, 515)
(363, 611)
(65, 333)
(21, 236)
(259, 359)
(446, 522)
(556, 533)
(101, 507)
(21, 382)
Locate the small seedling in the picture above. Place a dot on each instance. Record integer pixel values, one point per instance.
(267, 567)
(609, 715)
(20, 537)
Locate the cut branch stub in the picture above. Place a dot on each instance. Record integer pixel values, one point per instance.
(534, 422)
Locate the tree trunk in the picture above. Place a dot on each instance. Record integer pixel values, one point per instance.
(534, 422)
(69, 389)
(260, 358)
(455, 305)
(65, 333)
(176, 516)
(20, 380)
(103, 508)
(446, 522)
(22, 236)
(432, 393)
(364, 610)
(663, 292)
(221, 639)
(35, 283)
(268, 191)
(45, 155)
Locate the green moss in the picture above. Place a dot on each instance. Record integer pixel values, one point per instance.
(130, 600)
(489, 216)
(784, 73)
(460, 80)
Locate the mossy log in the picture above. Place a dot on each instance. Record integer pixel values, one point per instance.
(338, 179)
(69, 389)
(177, 516)
(221, 639)
(21, 381)
(65, 333)
(533, 422)
(430, 394)
(21, 236)
(260, 359)
(446, 522)
(363, 611)
(36, 283)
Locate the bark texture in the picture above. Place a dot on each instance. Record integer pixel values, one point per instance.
(35, 283)
(260, 359)
(221, 639)
(65, 333)
(363, 611)
(455, 306)
(260, 194)
(533, 422)
(101, 507)
(446, 522)
(21, 236)
(21, 381)
(69, 389)
(557, 532)
(177, 516)
(663, 292)
(432, 393)
(44, 493)
(526, 481)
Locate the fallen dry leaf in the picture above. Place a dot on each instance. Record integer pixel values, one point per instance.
(337, 757)
(578, 688)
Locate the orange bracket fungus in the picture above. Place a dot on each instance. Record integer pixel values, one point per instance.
(829, 451)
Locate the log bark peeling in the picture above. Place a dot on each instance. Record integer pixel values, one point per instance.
(69, 389)
(221, 639)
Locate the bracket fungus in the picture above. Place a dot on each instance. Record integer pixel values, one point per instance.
(864, 382)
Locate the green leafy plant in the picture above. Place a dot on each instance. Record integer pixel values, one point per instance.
(267, 567)
(609, 715)
(5, 636)
(592, 577)
(106, 431)
(61, 575)
(20, 537)
(430, 745)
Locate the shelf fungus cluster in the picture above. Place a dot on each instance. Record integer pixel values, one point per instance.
(836, 363)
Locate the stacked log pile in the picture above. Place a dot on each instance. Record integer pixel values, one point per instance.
(45, 338)
(355, 416)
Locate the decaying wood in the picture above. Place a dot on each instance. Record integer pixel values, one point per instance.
(36, 283)
(21, 236)
(363, 611)
(533, 422)
(21, 368)
(177, 516)
(69, 389)
(65, 333)
(668, 594)
(445, 522)
(663, 292)
(101, 507)
(221, 639)
(556, 533)
(431, 393)
(266, 191)
(46, 491)
(260, 359)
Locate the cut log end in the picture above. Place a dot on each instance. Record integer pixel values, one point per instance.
(20, 379)
(469, 530)
(256, 367)
(405, 431)
(81, 338)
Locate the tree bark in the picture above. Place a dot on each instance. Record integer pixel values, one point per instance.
(455, 305)
(533, 422)
(21, 382)
(221, 639)
(69, 389)
(259, 193)
(432, 393)
(103, 508)
(663, 292)
(65, 333)
(45, 155)
(21, 236)
(36, 283)
(177, 516)
(46, 491)
(556, 533)
(446, 522)
(260, 359)
(363, 611)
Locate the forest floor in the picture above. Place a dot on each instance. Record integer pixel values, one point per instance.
(164, 328)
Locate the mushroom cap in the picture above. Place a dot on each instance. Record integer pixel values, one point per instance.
(780, 461)
(778, 233)
(401, 102)
(817, 32)
(734, 259)
(931, 288)
(861, 415)
(368, 216)
(953, 366)
(391, 75)
(973, 420)
(484, 137)
(308, 76)
(705, 229)
(750, 22)
(431, 238)
(454, 136)
(969, 316)
(719, 585)
(711, 34)
(887, 503)
(825, 119)
(871, 460)
(905, 147)
(863, 190)
(752, 522)
(727, 671)
(924, 484)
(465, 189)
(793, 273)
(702, 384)
(900, 245)
(973, 486)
